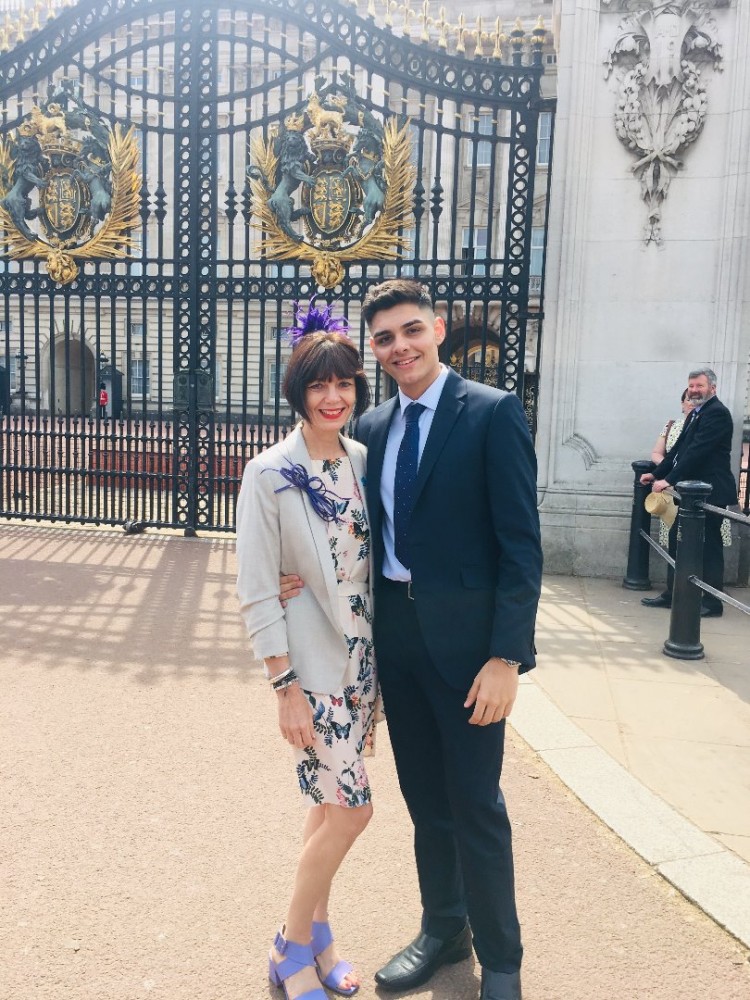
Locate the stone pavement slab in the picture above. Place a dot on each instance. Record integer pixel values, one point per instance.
(658, 748)
(149, 817)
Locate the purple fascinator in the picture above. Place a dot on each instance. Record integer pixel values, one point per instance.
(314, 319)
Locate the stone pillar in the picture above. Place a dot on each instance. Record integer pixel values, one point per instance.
(648, 273)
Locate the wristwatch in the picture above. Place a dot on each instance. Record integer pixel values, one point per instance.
(511, 663)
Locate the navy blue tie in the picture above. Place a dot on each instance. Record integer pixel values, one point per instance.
(407, 464)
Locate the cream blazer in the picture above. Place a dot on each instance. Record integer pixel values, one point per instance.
(281, 533)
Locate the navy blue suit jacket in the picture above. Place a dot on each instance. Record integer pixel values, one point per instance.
(703, 451)
(474, 534)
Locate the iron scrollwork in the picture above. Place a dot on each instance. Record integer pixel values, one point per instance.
(345, 175)
(83, 176)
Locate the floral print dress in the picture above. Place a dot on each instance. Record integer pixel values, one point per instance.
(332, 770)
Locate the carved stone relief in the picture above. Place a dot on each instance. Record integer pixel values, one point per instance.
(658, 56)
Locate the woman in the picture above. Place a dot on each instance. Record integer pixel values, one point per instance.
(302, 510)
(666, 441)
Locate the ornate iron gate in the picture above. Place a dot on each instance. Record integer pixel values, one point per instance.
(182, 334)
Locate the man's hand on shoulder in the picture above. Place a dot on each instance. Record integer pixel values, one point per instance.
(493, 692)
(290, 586)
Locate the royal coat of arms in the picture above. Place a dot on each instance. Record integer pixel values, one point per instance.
(333, 184)
(69, 187)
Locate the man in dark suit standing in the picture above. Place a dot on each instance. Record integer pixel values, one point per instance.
(451, 483)
(702, 452)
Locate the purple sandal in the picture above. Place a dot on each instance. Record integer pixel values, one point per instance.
(296, 957)
(321, 939)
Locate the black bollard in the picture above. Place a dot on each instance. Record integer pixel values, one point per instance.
(636, 576)
(684, 642)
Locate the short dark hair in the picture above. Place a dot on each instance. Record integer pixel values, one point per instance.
(394, 292)
(683, 397)
(319, 357)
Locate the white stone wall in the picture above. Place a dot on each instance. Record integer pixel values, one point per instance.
(626, 320)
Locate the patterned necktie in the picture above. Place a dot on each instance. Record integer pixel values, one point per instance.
(406, 478)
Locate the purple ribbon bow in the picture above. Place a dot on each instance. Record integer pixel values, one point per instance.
(322, 499)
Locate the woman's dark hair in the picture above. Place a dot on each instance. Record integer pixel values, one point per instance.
(319, 357)
(683, 397)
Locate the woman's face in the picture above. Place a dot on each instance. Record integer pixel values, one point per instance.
(687, 406)
(330, 403)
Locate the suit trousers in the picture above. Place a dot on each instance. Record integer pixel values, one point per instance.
(449, 772)
(713, 560)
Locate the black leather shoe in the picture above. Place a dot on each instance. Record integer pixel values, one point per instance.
(421, 959)
(500, 985)
(711, 612)
(656, 602)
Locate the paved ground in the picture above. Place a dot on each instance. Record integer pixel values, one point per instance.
(148, 815)
(681, 727)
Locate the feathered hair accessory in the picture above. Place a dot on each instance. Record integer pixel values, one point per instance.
(312, 319)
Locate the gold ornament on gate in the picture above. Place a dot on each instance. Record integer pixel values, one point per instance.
(332, 184)
(69, 186)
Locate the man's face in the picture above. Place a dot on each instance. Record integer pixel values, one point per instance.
(699, 390)
(405, 340)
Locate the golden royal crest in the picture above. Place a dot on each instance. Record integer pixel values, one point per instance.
(332, 185)
(69, 189)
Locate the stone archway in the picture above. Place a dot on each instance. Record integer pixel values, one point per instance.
(75, 374)
(471, 348)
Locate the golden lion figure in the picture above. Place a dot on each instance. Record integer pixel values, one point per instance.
(326, 120)
(44, 124)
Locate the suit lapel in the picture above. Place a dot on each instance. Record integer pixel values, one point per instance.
(450, 405)
(358, 464)
(298, 454)
(376, 442)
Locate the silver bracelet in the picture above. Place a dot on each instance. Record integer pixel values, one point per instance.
(284, 680)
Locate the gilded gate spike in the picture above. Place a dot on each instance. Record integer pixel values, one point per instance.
(371, 9)
(517, 35)
(441, 23)
(461, 34)
(425, 18)
(407, 12)
(479, 39)
(498, 38)
(390, 6)
(539, 33)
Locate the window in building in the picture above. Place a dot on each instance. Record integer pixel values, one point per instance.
(536, 260)
(273, 332)
(274, 381)
(537, 251)
(140, 378)
(473, 249)
(484, 149)
(544, 138)
(11, 366)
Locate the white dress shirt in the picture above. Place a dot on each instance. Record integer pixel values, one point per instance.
(430, 398)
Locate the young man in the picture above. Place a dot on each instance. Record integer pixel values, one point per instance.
(457, 562)
(703, 451)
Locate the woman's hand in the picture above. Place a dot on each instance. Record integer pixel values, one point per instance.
(296, 717)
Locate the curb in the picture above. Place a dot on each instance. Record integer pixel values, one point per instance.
(704, 871)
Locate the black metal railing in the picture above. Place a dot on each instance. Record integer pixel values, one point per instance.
(684, 640)
(118, 471)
